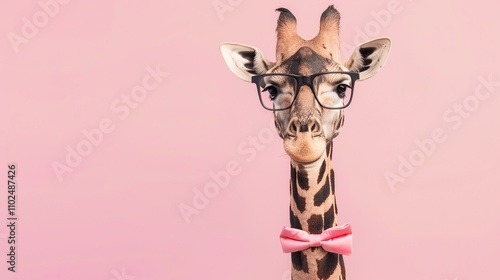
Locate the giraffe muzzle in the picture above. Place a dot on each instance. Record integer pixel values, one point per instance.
(305, 142)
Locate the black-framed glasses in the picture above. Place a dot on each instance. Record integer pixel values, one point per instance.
(332, 90)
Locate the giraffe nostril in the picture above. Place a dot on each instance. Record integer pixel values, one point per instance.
(315, 127)
(293, 127)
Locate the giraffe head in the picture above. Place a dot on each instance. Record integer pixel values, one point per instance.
(308, 108)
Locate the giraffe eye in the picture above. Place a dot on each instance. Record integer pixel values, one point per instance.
(272, 90)
(341, 90)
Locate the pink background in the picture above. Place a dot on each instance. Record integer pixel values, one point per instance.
(116, 215)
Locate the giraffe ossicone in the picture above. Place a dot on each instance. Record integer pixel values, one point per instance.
(308, 88)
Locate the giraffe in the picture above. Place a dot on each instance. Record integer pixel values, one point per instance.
(308, 113)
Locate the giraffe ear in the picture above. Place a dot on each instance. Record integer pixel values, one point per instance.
(244, 61)
(369, 57)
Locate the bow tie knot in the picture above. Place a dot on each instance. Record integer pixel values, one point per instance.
(315, 240)
(336, 239)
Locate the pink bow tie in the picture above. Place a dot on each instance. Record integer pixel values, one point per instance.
(336, 239)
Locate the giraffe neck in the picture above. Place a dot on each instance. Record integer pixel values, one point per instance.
(313, 209)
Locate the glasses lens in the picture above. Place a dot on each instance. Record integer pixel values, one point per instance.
(333, 90)
(277, 92)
